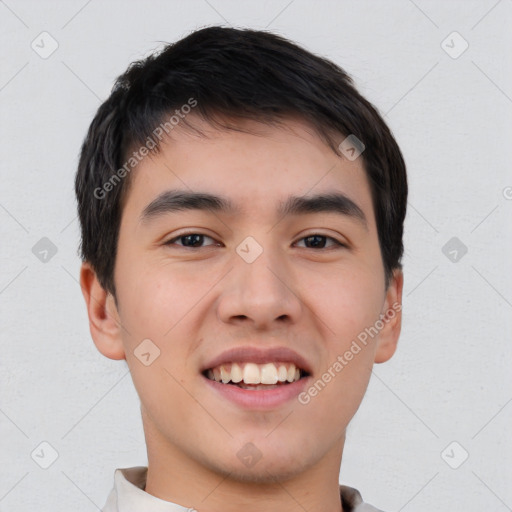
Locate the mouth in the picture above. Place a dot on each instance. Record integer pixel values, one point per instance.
(256, 377)
(253, 378)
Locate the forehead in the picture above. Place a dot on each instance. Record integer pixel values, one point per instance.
(254, 166)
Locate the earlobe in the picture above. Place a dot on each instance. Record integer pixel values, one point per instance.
(103, 316)
(391, 319)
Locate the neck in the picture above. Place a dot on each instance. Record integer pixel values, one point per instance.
(176, 477)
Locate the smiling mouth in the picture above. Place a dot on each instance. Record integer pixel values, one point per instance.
(254, 376)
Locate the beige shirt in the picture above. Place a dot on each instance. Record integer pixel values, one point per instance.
(128, 495)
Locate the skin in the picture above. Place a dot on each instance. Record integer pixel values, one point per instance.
(194, 303)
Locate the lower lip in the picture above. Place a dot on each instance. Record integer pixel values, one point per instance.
(259, 399)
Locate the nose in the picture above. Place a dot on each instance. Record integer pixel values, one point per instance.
(262, 293)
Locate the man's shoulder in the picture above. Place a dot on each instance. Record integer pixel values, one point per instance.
(352, 501)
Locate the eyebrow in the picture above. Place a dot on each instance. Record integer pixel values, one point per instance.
(172, 201)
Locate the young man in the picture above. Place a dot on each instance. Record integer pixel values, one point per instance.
(242, 213)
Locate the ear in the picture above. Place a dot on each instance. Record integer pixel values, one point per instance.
(391, 316)
(104, 321)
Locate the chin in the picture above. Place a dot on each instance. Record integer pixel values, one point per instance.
(264, 468)
(261, 473)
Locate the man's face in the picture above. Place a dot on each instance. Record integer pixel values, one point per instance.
(275, 289)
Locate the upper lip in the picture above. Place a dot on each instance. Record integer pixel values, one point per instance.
(259, 356)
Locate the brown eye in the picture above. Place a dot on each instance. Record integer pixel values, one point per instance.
(192, 240)
(319, 241)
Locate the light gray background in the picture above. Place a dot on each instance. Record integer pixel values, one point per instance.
(450, 379)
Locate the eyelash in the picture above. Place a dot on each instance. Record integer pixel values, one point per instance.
(183, 235)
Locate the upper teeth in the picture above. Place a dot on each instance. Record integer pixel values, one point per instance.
(252, 373)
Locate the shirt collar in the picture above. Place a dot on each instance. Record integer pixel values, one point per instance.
(128, 495)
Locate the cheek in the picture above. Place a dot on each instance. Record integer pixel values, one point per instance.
(156, 297)
(165, 305)
(155, 301)
(347, 300)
